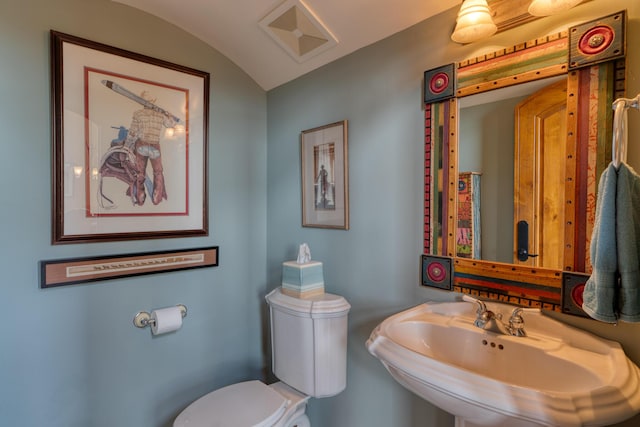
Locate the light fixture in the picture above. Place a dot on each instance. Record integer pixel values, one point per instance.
(550, 7)
(474, 22)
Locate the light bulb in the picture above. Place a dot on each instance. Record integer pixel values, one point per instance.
(474, 22)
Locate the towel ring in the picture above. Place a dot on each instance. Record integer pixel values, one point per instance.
(619, 144)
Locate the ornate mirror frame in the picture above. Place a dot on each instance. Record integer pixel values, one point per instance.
(592, 57)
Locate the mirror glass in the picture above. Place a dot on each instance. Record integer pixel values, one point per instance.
(489, 166)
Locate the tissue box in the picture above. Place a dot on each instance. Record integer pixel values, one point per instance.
(302, 280)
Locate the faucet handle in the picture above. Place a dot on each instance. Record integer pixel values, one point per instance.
(482, 308)
(469, 298)
(516, 322)
(517, 312)
(482, 314)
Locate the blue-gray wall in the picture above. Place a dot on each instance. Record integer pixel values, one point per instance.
(70, 356)
(375, 264)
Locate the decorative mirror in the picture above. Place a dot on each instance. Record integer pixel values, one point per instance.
(515, 143)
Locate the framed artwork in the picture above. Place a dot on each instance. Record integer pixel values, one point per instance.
(63, 272)
(325, 176)
(129, 145)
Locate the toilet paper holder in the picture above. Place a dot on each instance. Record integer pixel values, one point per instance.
(143, 319)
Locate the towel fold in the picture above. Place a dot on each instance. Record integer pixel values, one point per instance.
(628, 237)
(613, 290)
(600, 291)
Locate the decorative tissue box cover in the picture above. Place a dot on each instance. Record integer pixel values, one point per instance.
(302, 280)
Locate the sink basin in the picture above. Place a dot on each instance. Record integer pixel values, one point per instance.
(555, 376)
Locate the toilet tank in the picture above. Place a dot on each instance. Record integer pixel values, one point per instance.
(309, 342)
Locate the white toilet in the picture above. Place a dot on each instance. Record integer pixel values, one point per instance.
(309, 356)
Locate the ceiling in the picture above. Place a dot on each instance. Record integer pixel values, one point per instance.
(233, 28)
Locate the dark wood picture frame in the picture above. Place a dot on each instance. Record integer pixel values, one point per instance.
(73, 271)
(130, 136)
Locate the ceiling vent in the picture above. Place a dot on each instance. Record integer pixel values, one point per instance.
(298, 30)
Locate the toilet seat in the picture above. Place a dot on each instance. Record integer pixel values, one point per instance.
(249, 403)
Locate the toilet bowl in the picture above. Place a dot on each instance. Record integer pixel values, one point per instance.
(249, 403)
(308, 347)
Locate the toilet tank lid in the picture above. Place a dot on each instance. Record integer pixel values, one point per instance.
(249, 403)
(318, 306)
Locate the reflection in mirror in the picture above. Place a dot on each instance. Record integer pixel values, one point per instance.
(487, 147)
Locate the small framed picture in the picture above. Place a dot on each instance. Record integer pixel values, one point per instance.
(325, 176)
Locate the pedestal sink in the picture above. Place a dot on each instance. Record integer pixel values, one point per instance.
(556, 375)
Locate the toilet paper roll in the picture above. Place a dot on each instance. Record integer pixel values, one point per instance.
(166, 320)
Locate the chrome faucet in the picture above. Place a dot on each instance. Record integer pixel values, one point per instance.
(490, 321)
(516, 323)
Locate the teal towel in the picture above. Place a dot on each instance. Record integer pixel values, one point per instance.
(600, 291)
(628, 237)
